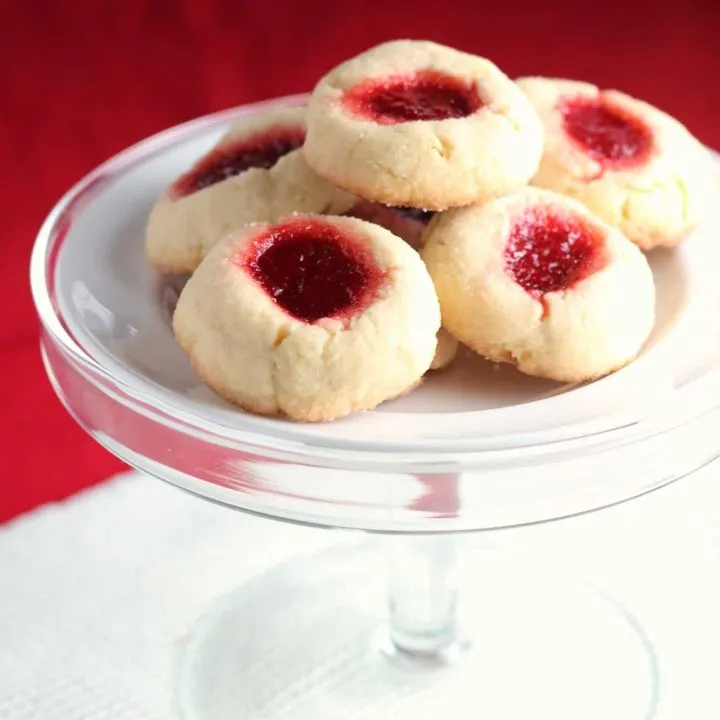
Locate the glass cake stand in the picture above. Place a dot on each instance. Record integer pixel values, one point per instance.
(402, 624)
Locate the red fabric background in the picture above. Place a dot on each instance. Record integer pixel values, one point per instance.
(81, 80)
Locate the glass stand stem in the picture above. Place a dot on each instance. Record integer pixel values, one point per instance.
(423, 596)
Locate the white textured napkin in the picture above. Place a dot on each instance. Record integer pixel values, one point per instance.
(98, 593)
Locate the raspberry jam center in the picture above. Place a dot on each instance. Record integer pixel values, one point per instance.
(313, 270)
(261, 150)
(609, 135)
(425, 95)
(551, 252)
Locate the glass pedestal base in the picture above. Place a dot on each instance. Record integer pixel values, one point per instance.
(309, 640)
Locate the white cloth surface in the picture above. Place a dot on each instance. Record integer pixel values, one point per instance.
(98, 593)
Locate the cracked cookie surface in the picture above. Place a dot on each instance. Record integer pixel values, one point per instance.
(633, 165)
(255, 173)
(536, 280)
(411, 123)
(312, 318)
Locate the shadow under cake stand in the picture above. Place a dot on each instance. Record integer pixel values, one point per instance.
(402, 624)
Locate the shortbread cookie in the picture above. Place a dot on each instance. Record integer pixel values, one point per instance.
(255, 174)
(408, 224)
(630, 163)
(537, 280)
(417, 124)
(313, 318)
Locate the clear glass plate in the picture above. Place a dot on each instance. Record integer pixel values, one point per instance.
(456, 450)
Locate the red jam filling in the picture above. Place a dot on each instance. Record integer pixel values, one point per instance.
(551, 252)
(609, 135)
(424, 95)
(313, 270)
(261, 150)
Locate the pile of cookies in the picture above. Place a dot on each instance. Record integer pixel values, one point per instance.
(340, 251)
